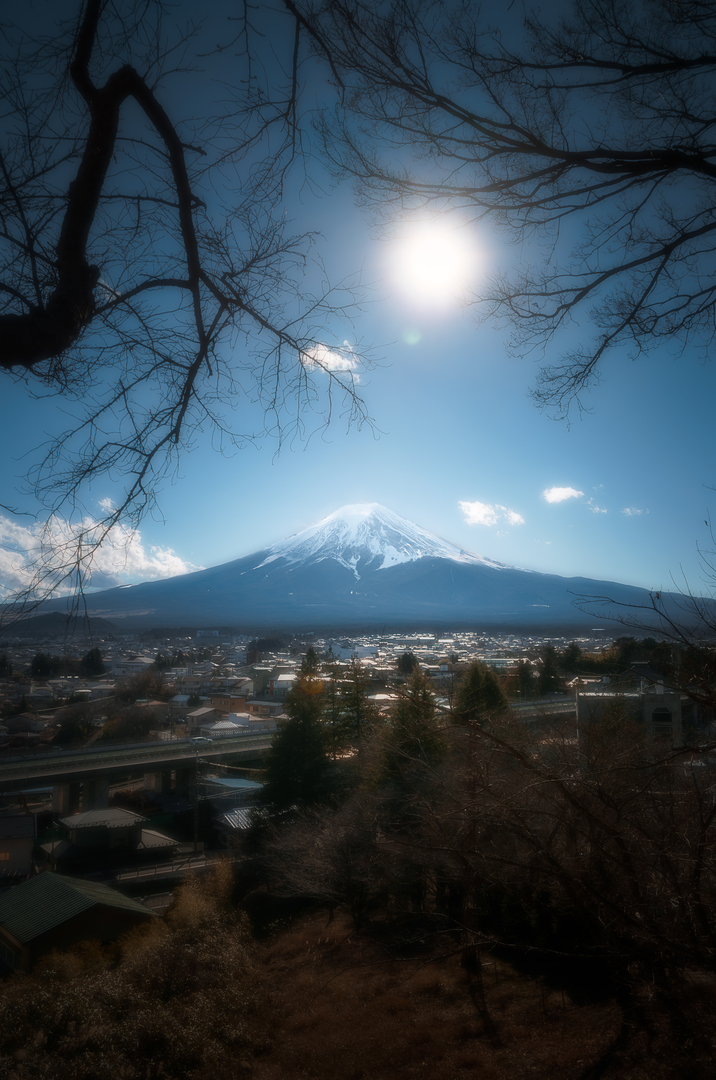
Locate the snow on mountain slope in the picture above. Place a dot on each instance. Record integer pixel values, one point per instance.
(368, 536)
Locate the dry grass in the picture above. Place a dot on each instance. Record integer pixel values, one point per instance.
(342, 1009)
(192, 998)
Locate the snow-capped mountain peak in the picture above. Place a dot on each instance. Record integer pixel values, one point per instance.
(369, 536)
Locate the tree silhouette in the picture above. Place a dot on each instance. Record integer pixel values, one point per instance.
(591, 132)
(145, 270)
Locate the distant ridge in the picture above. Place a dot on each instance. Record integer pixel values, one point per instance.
(365, 566)
(55, 624)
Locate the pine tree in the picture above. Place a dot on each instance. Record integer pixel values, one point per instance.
(359, 715)
(298, 772)
(310, 664)
(479, 695)
(549, 681)
(92, 663)
(414, 737)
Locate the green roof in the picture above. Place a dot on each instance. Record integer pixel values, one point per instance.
(48, 900)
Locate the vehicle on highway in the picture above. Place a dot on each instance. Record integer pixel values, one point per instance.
(200, 740)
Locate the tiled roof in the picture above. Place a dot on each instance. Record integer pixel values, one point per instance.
(152, 839)
(48, 900)
(233, 784)
(112, 817)
(241, 817)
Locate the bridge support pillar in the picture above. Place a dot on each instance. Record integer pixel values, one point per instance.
(158, 781)
(95, 793)
(185, 782)
(66, 798)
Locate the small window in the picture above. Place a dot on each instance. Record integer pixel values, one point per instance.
(4, 856)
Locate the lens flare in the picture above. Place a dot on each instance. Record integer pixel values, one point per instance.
(434, 262)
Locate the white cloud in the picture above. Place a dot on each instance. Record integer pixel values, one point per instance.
(512, 516)
(479, 513)
(596, 509)
(633, 511)
(560, 494)
(27, 551)
(325, 359)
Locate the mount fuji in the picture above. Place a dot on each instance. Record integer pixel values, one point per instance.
(362, 566)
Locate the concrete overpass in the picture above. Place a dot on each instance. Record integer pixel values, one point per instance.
(85, 775)
(545, 709)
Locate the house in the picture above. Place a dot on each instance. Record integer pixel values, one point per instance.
(219, 729)
(264, 708)
(50, 911)
(133, 665)
(205, 716)
(252, 725)
(282, 685)
(26, 722)
(99, 838)
(226, 701)
(232, 825)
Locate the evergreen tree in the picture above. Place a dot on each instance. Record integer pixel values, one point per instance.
(298, 772)
(310, 663)
(479, 695)
(407, 663)
(332, 714)
(92, 663)
(571, 657)
(414, 737)
(548, 681)
(44, 666)
(359, 715)
(5, 667)
(525, 680)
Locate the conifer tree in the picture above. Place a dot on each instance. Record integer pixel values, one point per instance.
(479, 695)
(298, 772)
(359, 715)
(414, 737)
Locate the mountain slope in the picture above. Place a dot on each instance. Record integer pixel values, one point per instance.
(361, 566)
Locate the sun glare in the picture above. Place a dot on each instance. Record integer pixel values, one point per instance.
(433, 262)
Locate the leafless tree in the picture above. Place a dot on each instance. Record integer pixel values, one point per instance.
(589, 853)
(146, 273)
(586, 135)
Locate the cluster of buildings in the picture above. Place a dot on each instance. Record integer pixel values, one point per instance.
(218, 689)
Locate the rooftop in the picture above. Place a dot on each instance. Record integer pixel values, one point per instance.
(111, 818)
(47, 900)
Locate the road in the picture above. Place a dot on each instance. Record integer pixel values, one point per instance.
(63, 767)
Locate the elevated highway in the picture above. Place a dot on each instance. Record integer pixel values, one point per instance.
(94, 768)
(545, 709)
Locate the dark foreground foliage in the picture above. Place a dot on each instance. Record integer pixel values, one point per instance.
(177, 999)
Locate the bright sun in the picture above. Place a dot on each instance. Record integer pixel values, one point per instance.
(433, 262)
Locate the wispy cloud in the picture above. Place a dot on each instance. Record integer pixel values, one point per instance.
(596, 509)
(633, 511)
(560, 494)
(479, 513)
(121, 558)
(325, 359)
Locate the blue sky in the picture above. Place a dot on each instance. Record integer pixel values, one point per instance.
(457, 447)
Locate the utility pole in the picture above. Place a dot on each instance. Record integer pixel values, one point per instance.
(196, 803)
